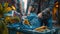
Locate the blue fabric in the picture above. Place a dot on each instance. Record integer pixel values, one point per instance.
(31, 16)
(34, 22)
(50, 25)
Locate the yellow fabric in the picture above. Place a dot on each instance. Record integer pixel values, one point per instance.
(6, 4)
(13, 8)
(26, 22)
(8, 9)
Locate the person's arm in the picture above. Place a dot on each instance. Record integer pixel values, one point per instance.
(29, 9)
(40, 14)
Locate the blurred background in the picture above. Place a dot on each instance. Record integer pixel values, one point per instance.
(14, 12)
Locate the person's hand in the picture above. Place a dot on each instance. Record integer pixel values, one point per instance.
(28, 13)
(29, 9)
(40, 15)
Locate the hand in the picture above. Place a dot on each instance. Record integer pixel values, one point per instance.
(28, 13)
(40, 15)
